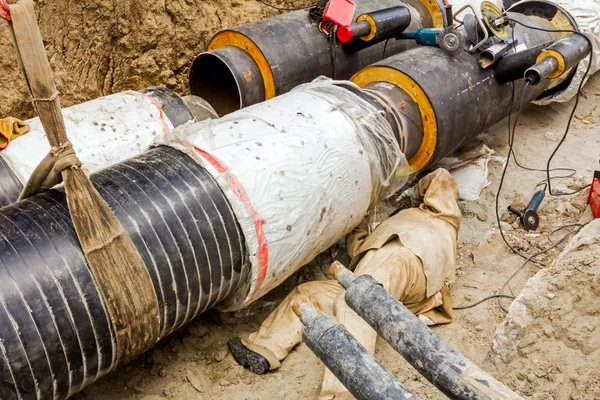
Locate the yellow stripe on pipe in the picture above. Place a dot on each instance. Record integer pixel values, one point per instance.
(232, 38)
(562, 65)
(371, 21)
(435, 11)
(387, 74)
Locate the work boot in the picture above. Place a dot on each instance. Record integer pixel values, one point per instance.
(247, 358)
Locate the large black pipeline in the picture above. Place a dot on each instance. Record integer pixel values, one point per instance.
(445, 367)
(55, 333)
(175, 110)
(350, 362)
(432, 90)
(255, 62)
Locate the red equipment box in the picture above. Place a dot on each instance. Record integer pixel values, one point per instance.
(338, 13)
(594, 198)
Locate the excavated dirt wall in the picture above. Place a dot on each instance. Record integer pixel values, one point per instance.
(549, 346)
(99, 47)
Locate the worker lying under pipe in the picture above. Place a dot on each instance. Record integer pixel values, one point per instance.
(413, 254)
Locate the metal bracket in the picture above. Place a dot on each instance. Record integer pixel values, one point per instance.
(479, 21)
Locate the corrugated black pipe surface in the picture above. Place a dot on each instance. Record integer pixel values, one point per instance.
(55, 336)
(10, 186)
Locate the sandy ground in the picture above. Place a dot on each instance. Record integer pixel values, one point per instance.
(153, 43)
(194, 362)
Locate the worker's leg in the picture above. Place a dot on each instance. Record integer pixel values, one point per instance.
(401, 274)
(282, 330)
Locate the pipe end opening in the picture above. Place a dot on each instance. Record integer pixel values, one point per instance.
(213, 80)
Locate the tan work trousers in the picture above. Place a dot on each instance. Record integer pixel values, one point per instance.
(394, 266)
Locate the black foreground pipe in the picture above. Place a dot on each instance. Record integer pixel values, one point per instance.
(350, 362)
(255, 62)
(56, 336)
(446, 368)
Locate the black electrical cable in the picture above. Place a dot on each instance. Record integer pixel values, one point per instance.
(547, 170)
(501, 184)
(510, 152)
(501, 295)
(495, 296)
(333, 46)
(285, 8)
(385, 48)
(577, 98)
(571, 171)
(539, 253)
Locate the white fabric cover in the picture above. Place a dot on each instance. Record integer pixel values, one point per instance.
(103, 131)
(300, 171)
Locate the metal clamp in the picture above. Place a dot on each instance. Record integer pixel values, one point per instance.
(479, 21)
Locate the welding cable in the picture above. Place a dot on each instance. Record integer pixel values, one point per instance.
(505, 169)
(494, 296)
(577, 98)
(501, 295)
(285, 8)
(333, 47)
(571, 172)
(539, 253)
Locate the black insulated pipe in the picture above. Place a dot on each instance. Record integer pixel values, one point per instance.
(568, 52)
(56, 335)
(235, 79)
(440, 102)
(287, 50)
(512, 66)
(445, 367)
(350, 362)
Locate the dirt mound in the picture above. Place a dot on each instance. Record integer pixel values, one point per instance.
(99, 47)
(550, 344)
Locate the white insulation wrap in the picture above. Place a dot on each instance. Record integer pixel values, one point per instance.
(98, 139)
(300, 172)
(587, 16)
